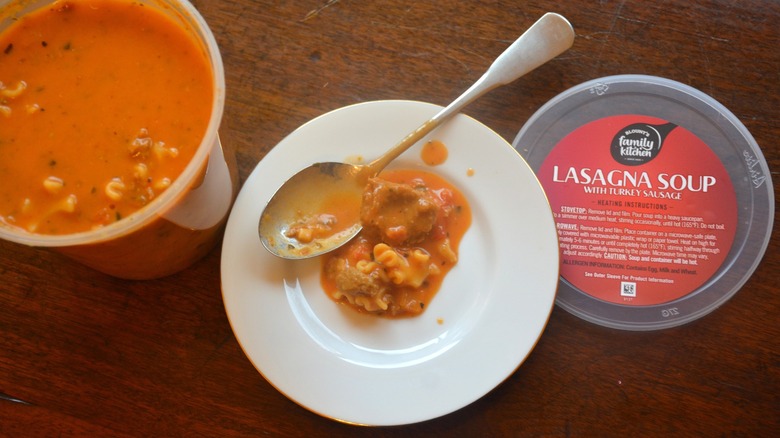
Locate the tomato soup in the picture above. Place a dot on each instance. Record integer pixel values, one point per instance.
(102, 105)
(109, 151)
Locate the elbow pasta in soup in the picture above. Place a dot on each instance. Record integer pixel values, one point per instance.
(413, 222)
(102, 105)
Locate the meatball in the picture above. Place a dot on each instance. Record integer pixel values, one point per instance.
(401, 214)
(352, 281)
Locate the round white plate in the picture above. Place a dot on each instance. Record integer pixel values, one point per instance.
(482, 324)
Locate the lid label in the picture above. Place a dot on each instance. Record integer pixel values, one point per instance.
(627, 183)
(645, 211)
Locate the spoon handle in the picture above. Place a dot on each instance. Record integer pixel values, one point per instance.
(550, 36)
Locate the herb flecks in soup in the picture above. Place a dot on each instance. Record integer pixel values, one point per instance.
(413, 222)
(102, 105)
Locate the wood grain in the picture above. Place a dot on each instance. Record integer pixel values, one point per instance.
(92, 355)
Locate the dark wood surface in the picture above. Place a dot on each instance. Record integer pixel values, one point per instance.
(82, 353)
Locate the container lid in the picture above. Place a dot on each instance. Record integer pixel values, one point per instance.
(662, 199)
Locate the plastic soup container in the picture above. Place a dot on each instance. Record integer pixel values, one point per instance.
(663, 200)
(178, 217)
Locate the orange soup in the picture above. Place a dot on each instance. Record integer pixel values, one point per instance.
(102, 105)
(413, 222)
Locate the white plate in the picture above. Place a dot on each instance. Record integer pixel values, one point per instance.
(482, 324)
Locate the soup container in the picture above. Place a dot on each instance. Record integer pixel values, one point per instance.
(663, 200)
(185, 221)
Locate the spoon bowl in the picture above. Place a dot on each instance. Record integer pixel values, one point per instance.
(328, 195)
(307, 194)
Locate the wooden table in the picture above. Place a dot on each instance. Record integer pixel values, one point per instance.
(82, 353)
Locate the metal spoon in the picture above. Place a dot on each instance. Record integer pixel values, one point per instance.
(303, 194)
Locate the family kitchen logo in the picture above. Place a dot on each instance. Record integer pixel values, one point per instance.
(639, 143)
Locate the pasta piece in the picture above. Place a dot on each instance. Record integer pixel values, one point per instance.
(53, 184)
(68, 205)
(387, 257)
(310, 228)
(141, 171)
(371, 304)
(12, 93)
(26, 205)
(446, 251)
(162, 184)
(115, 189)
(404, 271)
(161, 151)
(301, 234)
(373, 269)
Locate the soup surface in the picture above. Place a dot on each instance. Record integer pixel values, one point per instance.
(102, 105)
(413, 222)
